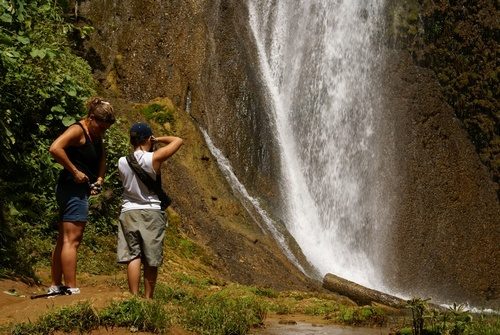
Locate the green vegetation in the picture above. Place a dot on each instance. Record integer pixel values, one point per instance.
(158, 113)
(136, 314)
(81, 317)
(458, 41)
(456, 320)
(222, 312)
(43, 86)
(328, 308)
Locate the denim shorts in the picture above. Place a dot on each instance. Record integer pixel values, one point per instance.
(73, 201)
(140, 234)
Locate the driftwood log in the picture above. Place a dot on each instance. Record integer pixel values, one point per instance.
(360, 294)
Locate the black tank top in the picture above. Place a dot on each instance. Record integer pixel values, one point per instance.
(85, 157)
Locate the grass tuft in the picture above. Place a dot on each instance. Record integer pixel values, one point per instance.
(80, 317)
(219, 314)
(138, 314)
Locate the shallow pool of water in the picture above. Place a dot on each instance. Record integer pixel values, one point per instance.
(274, 327)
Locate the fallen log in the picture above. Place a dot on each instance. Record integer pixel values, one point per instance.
(360, 294)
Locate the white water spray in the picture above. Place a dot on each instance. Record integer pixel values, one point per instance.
(318, 59)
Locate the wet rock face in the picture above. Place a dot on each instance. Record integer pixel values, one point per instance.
(200, 54)
(445, 233)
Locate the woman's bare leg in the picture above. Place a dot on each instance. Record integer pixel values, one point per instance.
(72, 237)
(56, 267)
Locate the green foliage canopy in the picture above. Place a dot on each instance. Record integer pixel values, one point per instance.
(43, 85)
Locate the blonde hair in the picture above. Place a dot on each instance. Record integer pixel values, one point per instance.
(101, 110)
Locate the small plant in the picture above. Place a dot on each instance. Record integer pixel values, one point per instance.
(158, 113)
(365, 315)
(456, 320)
(347, 315)
(418, 307)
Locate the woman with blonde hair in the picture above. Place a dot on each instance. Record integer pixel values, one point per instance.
(79, 149)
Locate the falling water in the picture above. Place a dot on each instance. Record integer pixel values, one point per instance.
(251, 204)
(319, 61)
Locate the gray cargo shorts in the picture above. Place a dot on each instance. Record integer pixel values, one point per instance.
(140, 234)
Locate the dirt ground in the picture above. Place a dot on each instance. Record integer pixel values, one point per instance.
(16, 305)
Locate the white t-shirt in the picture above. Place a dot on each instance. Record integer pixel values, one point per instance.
(136, 195)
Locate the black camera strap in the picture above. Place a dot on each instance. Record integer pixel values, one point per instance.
(151, 184)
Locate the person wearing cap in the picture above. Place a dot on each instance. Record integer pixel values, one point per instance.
(79, 149)
(142, 222)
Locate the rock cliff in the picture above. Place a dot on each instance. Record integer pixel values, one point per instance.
(445, 233)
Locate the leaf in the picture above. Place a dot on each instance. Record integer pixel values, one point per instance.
(11, 54)
(44, 94)
(23, 39)
(6, 17)
(42, 128)
(27, 24)
(38, 53)
(5, 39)
(52, 53)
(57, 109)
(71, 91)
(68, 120)
(13, 210)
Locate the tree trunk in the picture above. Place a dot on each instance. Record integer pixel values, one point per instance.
(360, 294)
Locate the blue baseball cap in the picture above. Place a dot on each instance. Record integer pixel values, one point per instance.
(139, 132)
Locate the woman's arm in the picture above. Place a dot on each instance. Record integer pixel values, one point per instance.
(71, 137)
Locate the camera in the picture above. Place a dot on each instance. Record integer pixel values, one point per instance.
(96, 187)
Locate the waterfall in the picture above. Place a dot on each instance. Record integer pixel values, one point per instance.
(251, 204)
(319, 61)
